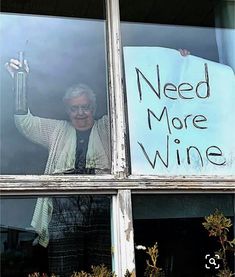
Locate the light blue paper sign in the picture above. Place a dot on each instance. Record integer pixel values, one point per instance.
(181, 113)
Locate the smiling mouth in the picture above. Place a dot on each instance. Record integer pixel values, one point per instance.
(80, 118)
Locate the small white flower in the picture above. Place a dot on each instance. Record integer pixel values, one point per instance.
(140, 247)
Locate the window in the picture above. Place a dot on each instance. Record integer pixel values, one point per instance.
(168, 93)
(150, 24)
(175, 223)
(67, 60)
(48, 35)
(77, 236)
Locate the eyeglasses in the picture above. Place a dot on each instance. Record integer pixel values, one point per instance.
(80, 108)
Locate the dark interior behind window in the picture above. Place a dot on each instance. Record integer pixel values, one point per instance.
(180, 12)
(175, 223)
(72, 8)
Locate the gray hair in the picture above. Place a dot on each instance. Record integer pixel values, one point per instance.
(79, 90)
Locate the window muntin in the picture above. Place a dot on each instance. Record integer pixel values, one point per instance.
(79, 235)
(61, 52)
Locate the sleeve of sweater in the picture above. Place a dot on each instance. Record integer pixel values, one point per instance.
(104, 133)
(41, 219)
(38, 130)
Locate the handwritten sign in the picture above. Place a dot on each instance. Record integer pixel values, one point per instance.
(181, 113)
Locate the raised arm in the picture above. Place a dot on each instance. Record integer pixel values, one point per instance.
(36, 129)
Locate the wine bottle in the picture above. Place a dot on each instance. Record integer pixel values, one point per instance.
(20, 78)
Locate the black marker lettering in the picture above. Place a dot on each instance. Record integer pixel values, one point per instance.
(157, 154)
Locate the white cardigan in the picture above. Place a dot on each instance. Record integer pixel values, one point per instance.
(59, 137)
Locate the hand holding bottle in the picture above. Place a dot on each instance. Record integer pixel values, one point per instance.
(14, 65)
(19, 70)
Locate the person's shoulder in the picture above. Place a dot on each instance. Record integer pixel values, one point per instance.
(104, 119)
(102, 124)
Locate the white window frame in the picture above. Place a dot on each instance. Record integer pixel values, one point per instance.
(120, 183)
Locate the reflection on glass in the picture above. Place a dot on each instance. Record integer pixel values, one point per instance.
(79, 235)
(63, 74)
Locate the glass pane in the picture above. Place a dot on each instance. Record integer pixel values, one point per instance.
(169, 92)
(71, 8)
(180, 12)
(175, 223)
(64, 86)
(78, 235)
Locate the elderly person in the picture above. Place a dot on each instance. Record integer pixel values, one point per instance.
(79, 146)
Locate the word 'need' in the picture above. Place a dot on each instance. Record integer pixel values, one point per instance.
(172, 91)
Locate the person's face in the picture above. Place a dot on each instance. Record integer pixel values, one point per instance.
(80, 112)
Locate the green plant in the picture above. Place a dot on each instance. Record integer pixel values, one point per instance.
(218, 226)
